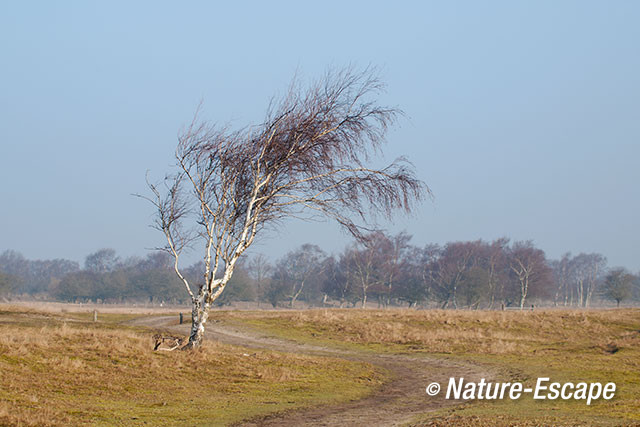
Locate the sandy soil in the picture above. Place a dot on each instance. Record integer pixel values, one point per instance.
(394, 403)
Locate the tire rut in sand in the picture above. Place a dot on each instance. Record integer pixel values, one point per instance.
(394, 403)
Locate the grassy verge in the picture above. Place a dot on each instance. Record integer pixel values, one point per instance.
(63, 369)
(566, 346)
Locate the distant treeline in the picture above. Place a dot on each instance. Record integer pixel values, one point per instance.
(383, 269)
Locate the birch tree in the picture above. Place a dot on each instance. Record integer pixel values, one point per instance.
(495, 264)
(308, 158)
(299, 267)
(364, 265)
(562, 272)
(396, 248)
(411, 286)
(587, 271)
(448, 271)
(530, 268)
(337, 281)
(260, 270)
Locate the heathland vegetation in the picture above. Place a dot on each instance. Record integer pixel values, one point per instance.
(64, 369)
(56, 366)
(564, 345)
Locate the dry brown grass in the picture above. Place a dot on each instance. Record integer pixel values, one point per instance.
(62, 307)
(438, 331)
(61, 371)
(564, 345)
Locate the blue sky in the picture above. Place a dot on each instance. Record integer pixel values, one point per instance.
(523, 117)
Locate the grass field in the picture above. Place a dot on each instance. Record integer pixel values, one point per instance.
(63, 369)
(592, 346)
(60, 368)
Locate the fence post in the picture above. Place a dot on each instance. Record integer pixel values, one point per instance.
(95, 315)
(181, 319)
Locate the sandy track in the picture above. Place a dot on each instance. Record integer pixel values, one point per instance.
(394, 403)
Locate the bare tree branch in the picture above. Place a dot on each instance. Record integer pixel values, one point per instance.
(308, 157)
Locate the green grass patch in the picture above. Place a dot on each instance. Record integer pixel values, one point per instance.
(64, 369)
(566, 346)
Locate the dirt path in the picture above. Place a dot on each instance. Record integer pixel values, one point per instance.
(394, 403)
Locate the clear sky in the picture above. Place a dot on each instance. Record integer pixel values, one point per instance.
(523, 117)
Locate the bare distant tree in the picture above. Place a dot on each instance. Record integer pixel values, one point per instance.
(378, 257)
(298, 267)
(530, 268)
(562, 272)
(8, 283)
(396, 248)
(308, 158)
(337, 283)
(363, 263)
(259, 270)
(618, 285)
(428, 267)
(35, 276)
(495, 263)
(411, 286)
(587, 271)
(449, 268)
(102, 261)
